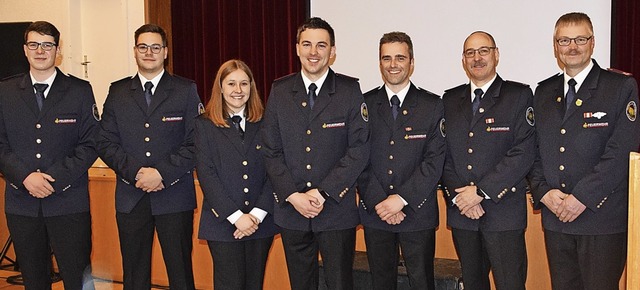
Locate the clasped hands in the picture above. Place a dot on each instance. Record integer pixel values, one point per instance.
(390, 209)
(468, 202)
(149, 179)
(309, 204)
(39, 184)
(565, 206)
(246, 225)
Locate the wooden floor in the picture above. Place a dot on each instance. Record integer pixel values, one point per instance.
(100, 285)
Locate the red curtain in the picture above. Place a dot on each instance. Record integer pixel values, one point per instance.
(206, 33)
(625, 36)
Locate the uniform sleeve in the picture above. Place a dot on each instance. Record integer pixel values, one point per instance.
(180, 161)
(110, 145)
(424, 180)
(11, 165)
(76, 164)
(212, 187)
(613, 167)
(346, 171)
(516, 163)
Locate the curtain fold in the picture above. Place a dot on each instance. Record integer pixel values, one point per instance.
(206, 33)
(625, 36)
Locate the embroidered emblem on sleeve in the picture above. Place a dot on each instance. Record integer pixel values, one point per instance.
(443, 132)
(631, 111)
(364, 112)
(530, 116)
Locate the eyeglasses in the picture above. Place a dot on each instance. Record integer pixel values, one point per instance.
(155, 48)
(47, 46)
(580, 40)
(483, 51)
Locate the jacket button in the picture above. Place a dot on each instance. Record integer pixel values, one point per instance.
(246, 190)
(38, 126)
(561, 149)
(561, 167)
(469, 167)
(148, 154)
(246, 202)
(245, 177)
(146, 125)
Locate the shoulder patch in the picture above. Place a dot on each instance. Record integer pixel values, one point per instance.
(443, 131)
(619, 72)
(12, 77)
(285, 77)
(550, 78)
(364, 112)
(123, 79)
(517, 83)
(96, 114)
(529, 115)
(374, 90)
(200, 109)
(454, 88)
(631, 111)
(346, 76)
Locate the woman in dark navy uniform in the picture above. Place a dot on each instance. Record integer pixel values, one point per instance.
(236, 215)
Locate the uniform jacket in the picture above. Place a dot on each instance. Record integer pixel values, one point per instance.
(407, 156)
(326, 148)
(58, 140)
(493, 150)
(586, 153)
(232, 175)
(134, 135)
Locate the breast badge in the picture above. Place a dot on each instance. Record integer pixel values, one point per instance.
(631, 111)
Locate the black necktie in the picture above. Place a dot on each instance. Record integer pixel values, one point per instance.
(312, 94)
(395, 106)
(571, 94)
(40, 88)
(476, 100)
(236, 123)
(147, 92)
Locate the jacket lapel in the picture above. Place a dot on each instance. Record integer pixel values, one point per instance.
(408, 105)
(28, 95)
(57, 91)
(162, 92)
(137, 93)
(384, 108)
(324, 95)
(233, 135)
(488, 100)
(584, 93)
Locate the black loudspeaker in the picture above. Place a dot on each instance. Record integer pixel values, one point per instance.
(448, 274)
(12, 59)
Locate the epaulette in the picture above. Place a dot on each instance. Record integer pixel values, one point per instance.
(374, 90)
(188, 80)
(348, 77)
(77, 78)
(12, 77)
(455, 88)
(285, 77)
(550, 78)
(427, 91)
(619, 71)
(122, 79)
(517, 83)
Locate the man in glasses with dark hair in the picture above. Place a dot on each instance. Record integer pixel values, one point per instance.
(48, 122)
(586, 128)
(490, 149)
(147, 139)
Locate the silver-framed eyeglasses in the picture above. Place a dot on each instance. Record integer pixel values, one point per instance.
(46, 46)
(580, 40)
(482, 51)
(155, 48)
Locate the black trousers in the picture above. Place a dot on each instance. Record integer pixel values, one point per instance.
(586, 262)
(175, 233)
(69, 236)
(337, 249)
(504, 252)
(239, 265)
(418, 250)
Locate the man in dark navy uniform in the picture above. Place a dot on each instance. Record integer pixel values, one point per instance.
(586, 129)
(48, 122)
(316, 144)
(490, 149)
(398, 201)
(147, 139)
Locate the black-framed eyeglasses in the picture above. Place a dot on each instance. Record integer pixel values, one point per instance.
(580, 40)
(47, 46)
(482, 51)
(155, 48)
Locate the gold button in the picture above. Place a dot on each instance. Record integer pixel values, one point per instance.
(38, 126)
(470, 134)
(513, 189)
(391, 186)
(146, 125)
(481, 110)
(308, 183)
(146, 139)
(404, 112)
(561, 167)
(38, 155)
(469, 167)
(390, 172)
(470, 150)
(563, 131)
(245, 176)
(561, 149)
(38, 141)
(563, 185)
(308, 149)
(392, 142)
(308, 166)
(147, 153)
(246, 202)
(245, 162)
(308, 132)
(390, 157)
(246, 190)
(472, 183)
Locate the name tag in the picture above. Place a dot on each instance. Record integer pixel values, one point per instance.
(333, 125)
(416, 136)
(595, 125)
(65, 121)
(497, 129)
(171, 119)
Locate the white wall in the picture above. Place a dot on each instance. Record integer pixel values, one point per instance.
(100, 29)
(523, 31)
